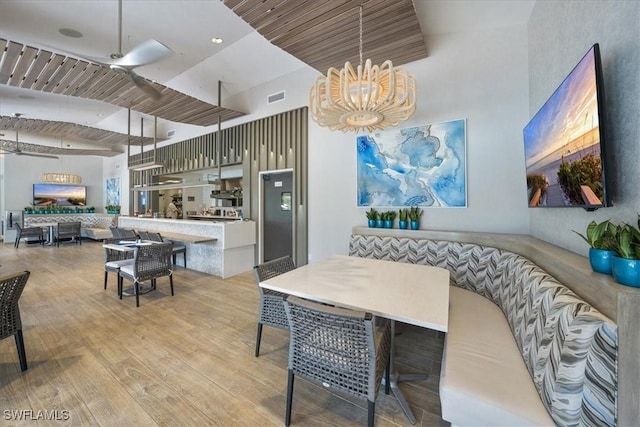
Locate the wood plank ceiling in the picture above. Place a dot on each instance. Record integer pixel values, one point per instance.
(38, 69)
(325, 34)
(68, 131)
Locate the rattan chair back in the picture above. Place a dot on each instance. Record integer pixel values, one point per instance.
(11, 288)
(69, 230)
(22, 232)
(150, 262)
(342, 349)
(271, 310)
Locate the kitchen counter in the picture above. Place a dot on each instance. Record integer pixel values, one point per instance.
(222, 248)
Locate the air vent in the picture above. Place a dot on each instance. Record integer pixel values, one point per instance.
(170, 133)
(275, 97)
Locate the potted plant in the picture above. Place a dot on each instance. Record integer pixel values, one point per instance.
(372, 216)
(625, 264)
(601, 239)
(113, 209)
(389, 217)
(402, 218)
(414, 215)
(28, 210)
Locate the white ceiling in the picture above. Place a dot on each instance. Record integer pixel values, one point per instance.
(187, 27)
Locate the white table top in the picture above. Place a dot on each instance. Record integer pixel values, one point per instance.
(410, 293)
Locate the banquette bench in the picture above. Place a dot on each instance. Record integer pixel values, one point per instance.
(94, 226)
(521, 348)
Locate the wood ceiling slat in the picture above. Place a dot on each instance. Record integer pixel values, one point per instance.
(42, 59)
(9, 58)
(52, 67)
(60, 74)
(265, 10)
(24, 62)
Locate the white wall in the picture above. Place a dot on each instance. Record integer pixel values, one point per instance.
(478, 76)
(578, 25)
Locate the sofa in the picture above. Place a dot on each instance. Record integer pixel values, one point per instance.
(521, 348)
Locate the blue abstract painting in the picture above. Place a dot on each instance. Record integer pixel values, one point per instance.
(419, 166)
(113, 191)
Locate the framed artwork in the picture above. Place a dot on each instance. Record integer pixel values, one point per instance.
(419, 166)
(113, 191)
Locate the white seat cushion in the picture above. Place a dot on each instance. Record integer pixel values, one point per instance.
(119, 263)
(484, 380)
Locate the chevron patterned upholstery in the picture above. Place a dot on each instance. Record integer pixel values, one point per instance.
(569, 347)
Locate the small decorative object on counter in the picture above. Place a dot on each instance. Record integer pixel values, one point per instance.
(372, 217)
(602, 241)
(402, 219)
(113, 209)
(414, 215)
(625, 264)
(388, 218)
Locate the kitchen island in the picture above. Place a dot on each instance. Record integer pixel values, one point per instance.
(221, 248)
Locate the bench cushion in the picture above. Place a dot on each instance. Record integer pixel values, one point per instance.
(480, 350)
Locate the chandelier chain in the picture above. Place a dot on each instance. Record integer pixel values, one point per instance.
(361, 35)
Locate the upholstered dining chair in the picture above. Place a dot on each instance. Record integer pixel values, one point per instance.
(11, 288)
(150, 262)
(69, 230)
(178, 248)
(271, 302)
(343, 350)
(114, 259)
(22, 232)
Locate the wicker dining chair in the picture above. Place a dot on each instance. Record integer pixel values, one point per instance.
(11, 288)
(271, 302)
(150, 262)
(71, 230)
(344, 350)
(114, 259)
(178, 248)
(22, 232)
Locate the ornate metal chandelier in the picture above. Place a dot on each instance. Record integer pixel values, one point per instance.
(61, 178)
(370, 97)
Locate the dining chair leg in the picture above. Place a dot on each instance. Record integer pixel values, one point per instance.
(287, 417)
(120, 287)
(21, 353)
(184, 257)
(387, 377)
(171, 283)
(371, 417)
(136, 290)
(106, 274)
(258, 338)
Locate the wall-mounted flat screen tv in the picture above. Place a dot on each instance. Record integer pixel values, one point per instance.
(564, 143)
(59, 194)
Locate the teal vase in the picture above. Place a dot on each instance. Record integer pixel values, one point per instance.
(388, 223)
(415, 225)
(380, 223)
(403, 225)
(626, 271)
(372, 223)
(600, 260)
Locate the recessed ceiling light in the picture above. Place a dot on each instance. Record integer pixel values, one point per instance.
(69, 32)
(217, 40)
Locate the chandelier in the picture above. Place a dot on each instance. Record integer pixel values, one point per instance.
(368, 97)
(61, 178)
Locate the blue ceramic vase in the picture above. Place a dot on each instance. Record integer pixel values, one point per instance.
(403, 225)
(626, 271)
(388, 223)
(372, 223)
(415, 225)
(380, 223)
(600, 260)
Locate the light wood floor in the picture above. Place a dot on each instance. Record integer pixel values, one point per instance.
(174, 361)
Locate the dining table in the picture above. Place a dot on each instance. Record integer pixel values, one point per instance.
(50, 236)
(409, 293)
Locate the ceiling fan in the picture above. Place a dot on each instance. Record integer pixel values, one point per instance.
(145, 53)
(19, 152)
